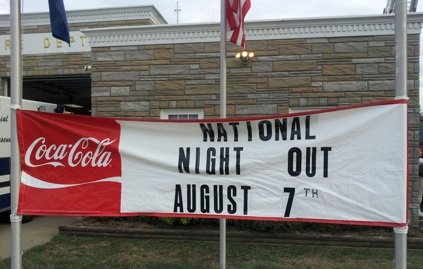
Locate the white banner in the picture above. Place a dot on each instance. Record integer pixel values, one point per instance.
(347, 165)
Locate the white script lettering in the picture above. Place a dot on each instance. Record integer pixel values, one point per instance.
(71, 155)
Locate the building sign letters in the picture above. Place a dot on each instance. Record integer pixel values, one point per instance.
(43, 43)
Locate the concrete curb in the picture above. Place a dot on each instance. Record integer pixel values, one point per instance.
(241, 236)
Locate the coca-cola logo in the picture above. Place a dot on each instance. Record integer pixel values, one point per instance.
(87, 151)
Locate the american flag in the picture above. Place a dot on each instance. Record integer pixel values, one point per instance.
(235, 14)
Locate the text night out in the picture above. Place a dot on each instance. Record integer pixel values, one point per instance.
(227, 160)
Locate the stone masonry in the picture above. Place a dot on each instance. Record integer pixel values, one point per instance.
(286, 75)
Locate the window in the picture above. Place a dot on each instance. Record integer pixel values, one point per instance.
(182, 114)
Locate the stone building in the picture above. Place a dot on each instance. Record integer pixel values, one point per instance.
(58, 73)
(128, 62)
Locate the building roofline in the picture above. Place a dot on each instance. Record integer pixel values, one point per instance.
(255, 30)
(92, 15)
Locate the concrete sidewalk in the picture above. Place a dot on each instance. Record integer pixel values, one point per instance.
(37, 232)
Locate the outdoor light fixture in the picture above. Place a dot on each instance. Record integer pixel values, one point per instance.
(245, 56)
(87, 68)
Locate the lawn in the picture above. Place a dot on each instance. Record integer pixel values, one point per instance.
(77, 252)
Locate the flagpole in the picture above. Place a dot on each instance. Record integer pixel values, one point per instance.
(222, 222)
(15, 103)
(401, 93)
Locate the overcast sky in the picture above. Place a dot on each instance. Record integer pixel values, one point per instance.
(193, 11)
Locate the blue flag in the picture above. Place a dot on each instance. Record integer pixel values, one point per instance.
(58, 20)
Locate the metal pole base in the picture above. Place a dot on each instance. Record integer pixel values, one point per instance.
(401, 247)
(16, 241)
(222, 226)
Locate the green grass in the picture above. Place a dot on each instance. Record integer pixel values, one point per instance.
(101, 252)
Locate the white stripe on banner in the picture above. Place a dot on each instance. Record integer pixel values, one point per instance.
(41, 184)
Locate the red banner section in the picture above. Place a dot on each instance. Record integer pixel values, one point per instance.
(74, 156)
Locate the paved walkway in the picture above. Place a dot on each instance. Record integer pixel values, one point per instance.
(37, 232)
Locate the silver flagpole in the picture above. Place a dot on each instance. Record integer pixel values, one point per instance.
(16, 101)
(222, 222)
(401, 49)
(223, 60)
(401, 93)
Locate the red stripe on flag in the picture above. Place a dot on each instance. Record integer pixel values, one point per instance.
(236, 11)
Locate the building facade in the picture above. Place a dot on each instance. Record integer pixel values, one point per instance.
(129, 62)
(58, 73)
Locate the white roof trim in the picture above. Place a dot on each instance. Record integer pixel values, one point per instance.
(92, 15)
(259, 30)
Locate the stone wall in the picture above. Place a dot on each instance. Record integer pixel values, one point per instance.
(285, 75)
(51, 65)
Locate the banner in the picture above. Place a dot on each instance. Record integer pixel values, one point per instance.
(346, 165)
